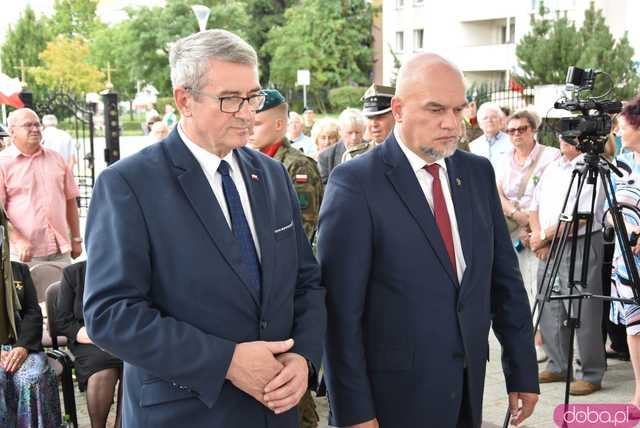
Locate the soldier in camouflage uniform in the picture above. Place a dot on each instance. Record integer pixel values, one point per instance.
(269, 137)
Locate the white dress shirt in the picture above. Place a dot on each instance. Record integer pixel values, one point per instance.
(426, 183)
(493, 148)
(209, 164)
(552, 189)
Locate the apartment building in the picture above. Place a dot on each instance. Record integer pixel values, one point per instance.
(481, 36)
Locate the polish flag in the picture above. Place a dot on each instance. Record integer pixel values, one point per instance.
(10, 91)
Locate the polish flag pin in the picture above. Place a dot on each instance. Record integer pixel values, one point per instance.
(254, 177)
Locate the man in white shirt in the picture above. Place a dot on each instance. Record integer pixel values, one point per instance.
(494, 143)
(58, 140)
(295, 126)
(545, 209)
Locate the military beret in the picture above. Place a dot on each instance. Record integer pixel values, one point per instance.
(377, 100)
(273, 98)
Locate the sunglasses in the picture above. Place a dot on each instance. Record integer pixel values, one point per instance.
(519, 130)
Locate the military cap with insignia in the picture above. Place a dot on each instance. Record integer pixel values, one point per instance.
(273, 98)
(377, 100)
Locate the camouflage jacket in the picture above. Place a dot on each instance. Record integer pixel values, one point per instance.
(358, 150)
(307, 183)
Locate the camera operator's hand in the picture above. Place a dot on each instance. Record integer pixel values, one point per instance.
(543, 253)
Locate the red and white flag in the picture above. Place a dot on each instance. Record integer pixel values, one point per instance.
(10, 91)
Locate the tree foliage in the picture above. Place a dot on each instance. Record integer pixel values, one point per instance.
(331, 38)
(25, 41)
(150, 31)
(75, 17)
(553, 45)
(112, 46)
(66, 66)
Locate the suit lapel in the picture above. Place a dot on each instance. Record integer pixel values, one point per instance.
(404, 181)
(462, 204)
(196, 188)
(255, 181)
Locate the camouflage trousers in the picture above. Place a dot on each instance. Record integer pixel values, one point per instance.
(307, 410)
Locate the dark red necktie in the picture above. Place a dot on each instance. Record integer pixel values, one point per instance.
(442, 214)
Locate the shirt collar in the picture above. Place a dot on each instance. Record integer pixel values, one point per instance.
(416, 162)
(13, 152)
(207, 160)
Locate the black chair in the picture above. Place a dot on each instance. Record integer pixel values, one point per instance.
(62, 358)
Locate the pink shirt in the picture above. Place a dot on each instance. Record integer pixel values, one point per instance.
(512, 174)
(34, 191)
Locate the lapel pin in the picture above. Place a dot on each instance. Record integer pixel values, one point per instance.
(254, 177)
(458, 181)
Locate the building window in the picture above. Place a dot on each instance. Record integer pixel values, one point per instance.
(399, 4)
(418, 39)
(418, 2)
(510, 35)
(399, 41)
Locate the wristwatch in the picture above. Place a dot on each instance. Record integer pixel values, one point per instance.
(77, 239)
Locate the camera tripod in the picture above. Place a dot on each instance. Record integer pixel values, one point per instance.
(591, 170)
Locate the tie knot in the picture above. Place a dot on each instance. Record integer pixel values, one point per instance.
(433, 169)
(223, 168)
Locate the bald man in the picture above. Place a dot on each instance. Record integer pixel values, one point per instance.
(418, 264)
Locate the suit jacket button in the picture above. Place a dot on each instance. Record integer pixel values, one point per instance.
(263, 324)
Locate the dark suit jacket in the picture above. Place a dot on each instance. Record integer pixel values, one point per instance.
(70, 316)
(400, 328)
(167, 293)
(329, 158)
(29, 318)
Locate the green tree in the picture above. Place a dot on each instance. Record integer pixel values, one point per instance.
(75, 17)
(25, 41)
(113, 46)
(553, 45)
(600, 50)
(152, 30)
(66, 67)
(548, 49)
(265, 14)
(331, 38)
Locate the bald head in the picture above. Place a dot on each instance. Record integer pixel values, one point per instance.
(419, 68)
(428, 106)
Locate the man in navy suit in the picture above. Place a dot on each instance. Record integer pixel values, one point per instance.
(199, 273)
(418, 263)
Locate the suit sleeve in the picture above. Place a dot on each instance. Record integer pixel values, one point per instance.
(511, 313)
(345, 251)
(118, 310)
(310, 316)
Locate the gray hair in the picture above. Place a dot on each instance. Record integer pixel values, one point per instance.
(487, 107)
(49, 120)
(189, 57)
(351, 116)
(295, 116)
(11, 119)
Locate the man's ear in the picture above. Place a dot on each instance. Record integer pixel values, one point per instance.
(396, 108)
(183, 100)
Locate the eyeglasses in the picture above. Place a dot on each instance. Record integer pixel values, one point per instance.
(29, 125)
(518, 130)
(233, 104)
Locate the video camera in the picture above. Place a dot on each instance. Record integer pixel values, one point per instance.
(590, 126)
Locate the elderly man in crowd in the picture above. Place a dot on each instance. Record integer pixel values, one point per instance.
(545, 209)
(494, 143)
(58, 140)
(297, 138)
(380, 121)
(38, 192)
(352, 126)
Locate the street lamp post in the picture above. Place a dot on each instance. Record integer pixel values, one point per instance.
(202, 15)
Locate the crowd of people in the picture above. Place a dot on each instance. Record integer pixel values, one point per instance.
(253, 246)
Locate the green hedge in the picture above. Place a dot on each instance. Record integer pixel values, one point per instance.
(346, 96)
